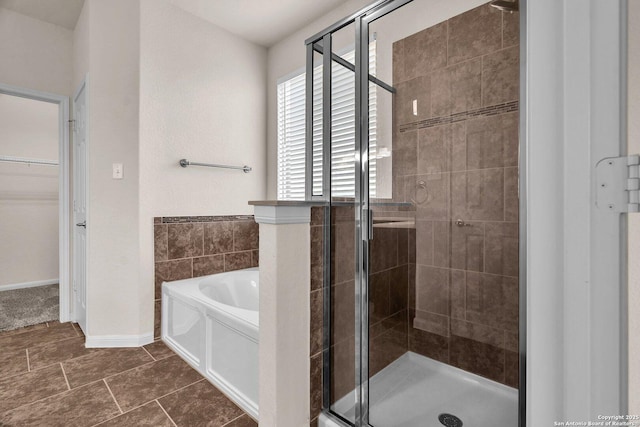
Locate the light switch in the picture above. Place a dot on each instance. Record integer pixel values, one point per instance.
(118, 171)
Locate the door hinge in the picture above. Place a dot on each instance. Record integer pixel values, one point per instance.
(72, 125)
(618, 184)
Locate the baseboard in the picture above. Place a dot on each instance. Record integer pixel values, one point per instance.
(29, 284)
(109, 341)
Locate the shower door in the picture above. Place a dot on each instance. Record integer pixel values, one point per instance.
(441, 333)
(415, 128)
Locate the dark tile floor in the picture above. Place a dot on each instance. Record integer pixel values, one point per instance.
(48, 378)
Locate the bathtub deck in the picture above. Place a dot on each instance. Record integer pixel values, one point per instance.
(414, 390)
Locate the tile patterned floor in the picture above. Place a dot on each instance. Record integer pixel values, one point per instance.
(48, 378)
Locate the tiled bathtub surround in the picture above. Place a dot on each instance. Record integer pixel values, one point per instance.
(195, 246)
(457, 159)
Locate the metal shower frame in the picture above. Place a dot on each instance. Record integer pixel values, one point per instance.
(321, 42)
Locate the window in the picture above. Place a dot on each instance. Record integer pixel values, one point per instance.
(291, 132)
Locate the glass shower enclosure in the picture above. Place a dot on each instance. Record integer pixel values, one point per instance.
(412, 131)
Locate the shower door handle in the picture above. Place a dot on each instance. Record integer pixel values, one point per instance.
(369, 216)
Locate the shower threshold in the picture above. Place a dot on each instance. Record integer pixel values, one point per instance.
(414, 391)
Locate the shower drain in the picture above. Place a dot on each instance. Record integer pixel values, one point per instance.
(449, 420)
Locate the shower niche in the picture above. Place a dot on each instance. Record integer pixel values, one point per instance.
(420, 229)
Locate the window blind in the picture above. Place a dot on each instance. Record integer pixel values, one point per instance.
(291, 132)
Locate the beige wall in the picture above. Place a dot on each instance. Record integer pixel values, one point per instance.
(28, 194)
(202, 97)
(634, 220)
(35, 54)
(114, 303)
(166, 85)
(81, 51)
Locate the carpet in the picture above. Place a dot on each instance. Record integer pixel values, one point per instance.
(28, 306)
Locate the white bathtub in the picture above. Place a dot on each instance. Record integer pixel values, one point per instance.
(212, 323)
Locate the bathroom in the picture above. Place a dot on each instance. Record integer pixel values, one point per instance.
(432, 275)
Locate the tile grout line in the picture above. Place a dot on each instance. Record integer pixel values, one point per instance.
(28, 363)
(502, 30)
(145, 403)
(40, 344)
(75, 329)
(65, 376)
(157, 399)
(57, 394)
(202, 246)
(31, 369)
(91, 382)
(205, 255)
(179, 389)
(118, 373)
(130, 369)
(166, 413)
(112, 396)
(103, 379)
(147, 351)
(235, 419)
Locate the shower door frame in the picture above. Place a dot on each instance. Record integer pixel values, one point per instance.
(366, 214)
(363, 212)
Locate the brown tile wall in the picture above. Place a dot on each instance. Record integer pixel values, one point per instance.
(315, 350)
(186, 247)
(458, 159)
(342, 301)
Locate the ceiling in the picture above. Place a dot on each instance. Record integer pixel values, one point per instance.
(263, 22)
(63, 13)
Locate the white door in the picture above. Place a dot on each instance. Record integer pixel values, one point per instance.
(80, 208)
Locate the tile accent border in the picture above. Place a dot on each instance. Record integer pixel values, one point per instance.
(185, 219)
(492, 110)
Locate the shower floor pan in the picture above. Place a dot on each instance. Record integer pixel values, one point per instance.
(414, 391)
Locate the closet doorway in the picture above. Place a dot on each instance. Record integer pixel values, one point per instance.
(34, 207)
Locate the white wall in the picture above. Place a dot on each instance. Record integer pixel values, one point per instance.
(164, 86)
(35, 54)
(28, 194)
(81, 48)
(202, 97)
(288, 56)
(634, 220)
(111, 30)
